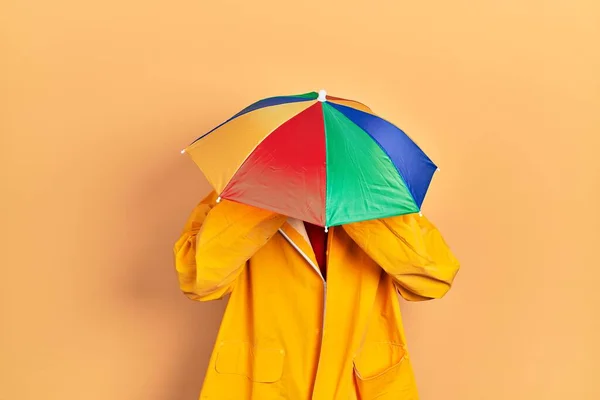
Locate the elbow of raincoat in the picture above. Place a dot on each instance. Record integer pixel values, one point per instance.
(208, 289)
(191, 282)
(216, 244)
(412, 251)
(430, 283)
(200, 284)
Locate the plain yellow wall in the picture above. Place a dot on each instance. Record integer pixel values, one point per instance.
(97, 99)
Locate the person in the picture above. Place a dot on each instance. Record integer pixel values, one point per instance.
(304, 321)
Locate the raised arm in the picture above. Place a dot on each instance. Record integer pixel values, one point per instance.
(216, 244)
(412, 251)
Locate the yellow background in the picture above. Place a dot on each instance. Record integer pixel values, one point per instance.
(97, 99)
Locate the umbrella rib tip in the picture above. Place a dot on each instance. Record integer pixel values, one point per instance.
(182, 151)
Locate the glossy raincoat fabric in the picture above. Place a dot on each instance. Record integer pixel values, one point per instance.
(289, 334)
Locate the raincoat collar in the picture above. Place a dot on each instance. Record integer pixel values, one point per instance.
(295, 233)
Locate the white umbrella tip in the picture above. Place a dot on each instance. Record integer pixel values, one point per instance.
(322, 95)
(182, 151)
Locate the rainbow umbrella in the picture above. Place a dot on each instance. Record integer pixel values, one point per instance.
(325, 160)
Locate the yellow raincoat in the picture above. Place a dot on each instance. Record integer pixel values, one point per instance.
(288, 334)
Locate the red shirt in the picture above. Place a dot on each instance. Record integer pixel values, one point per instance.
(318, 240)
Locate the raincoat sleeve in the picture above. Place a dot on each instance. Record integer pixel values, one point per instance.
(412, 251)
(216, 243)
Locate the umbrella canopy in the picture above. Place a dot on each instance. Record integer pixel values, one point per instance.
(322, 159)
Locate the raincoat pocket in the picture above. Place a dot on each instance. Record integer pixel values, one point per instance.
(258, 364)
(383, 371)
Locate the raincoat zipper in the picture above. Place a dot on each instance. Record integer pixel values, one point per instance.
(318, 271)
